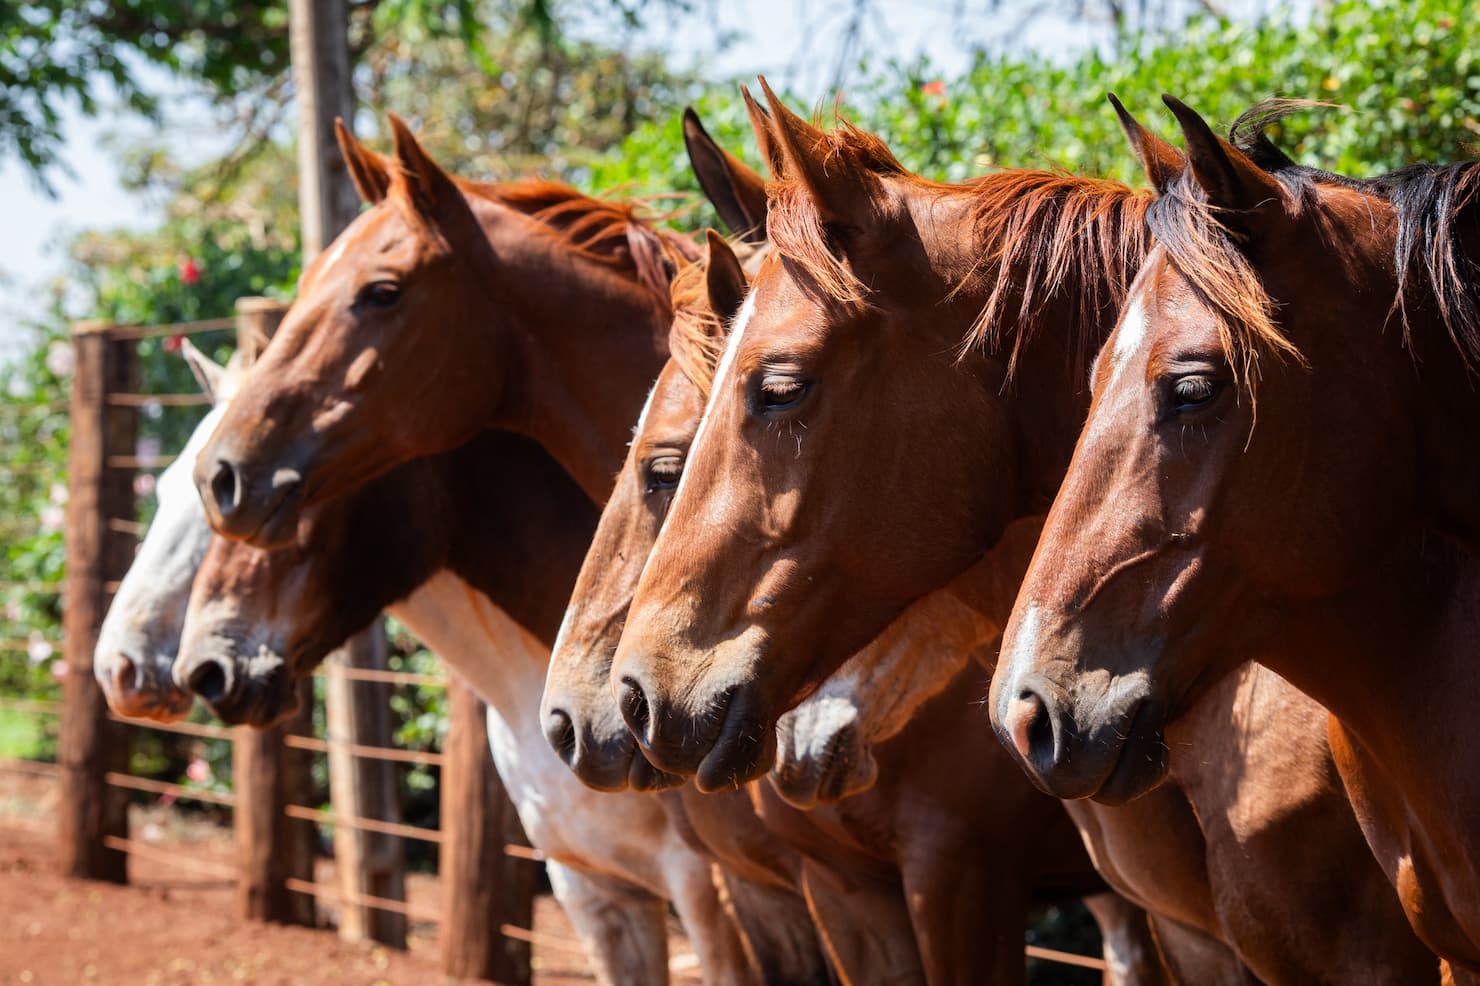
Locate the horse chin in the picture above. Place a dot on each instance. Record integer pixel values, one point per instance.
(1141, 767)
(745, 750)
(845, 768)
(643, 776)
(259, 703)
(171, 707)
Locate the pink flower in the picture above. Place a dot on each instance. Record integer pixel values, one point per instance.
(198, 771)
(189, 271)
(935, 87)
(60, 359)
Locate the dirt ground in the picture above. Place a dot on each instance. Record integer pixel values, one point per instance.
(173, 926)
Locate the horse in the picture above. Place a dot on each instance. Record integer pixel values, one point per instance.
(1274, 467)
(140, 635)
(521, 305)
(946, 853)
(622, 922)
(579, 223)
(808, 492)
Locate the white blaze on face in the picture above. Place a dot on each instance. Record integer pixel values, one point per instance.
(1024, 645)
(1130, 335)
(721, 378)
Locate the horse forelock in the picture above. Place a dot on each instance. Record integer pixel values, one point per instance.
(795, 224)
(1432, 205)
(697, 338)
(1202, 249)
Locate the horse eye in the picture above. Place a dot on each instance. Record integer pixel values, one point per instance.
(1194, 391)
(663, 473)
(379, 294)
(781, 392)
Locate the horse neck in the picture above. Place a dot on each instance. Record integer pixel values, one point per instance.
(1448, 403)
(1393, 659)
(515, 526)
(496, 657)
(588, 341)
(1049, 343)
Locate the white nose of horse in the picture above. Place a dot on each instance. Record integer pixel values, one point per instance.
(122, 677)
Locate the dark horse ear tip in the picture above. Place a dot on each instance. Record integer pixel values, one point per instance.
(713, 237)
(1181, 110)
(1128, 123)
(690, 117)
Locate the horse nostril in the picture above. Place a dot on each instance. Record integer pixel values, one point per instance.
(561, 734)
(1032, 729)
(125, 680)
(225, 488)
(635, 707)
(209, 680)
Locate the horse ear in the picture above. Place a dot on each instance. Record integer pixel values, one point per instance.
(429, 186)
(208, 373)
(738, 193)
(1233, 183)
(369, 171)
(806, 152)
(760, 122)
(724, 277)
(1161, 161)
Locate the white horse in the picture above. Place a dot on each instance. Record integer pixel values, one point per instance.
(615, 861)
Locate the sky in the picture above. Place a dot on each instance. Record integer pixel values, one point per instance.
(799, 43)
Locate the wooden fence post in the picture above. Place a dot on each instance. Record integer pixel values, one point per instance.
(271, 848)
(367, 863)
(91, 745)
(482, 887)
(357, 712)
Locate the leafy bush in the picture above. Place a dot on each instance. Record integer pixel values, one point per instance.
(1405, 76)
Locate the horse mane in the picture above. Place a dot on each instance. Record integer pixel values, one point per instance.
(1041, 231)
(616, 234)
(1435, 202)
(1038, 230)
(1430, 202)
(697, 339)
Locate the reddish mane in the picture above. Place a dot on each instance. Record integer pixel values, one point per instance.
(1039, 231)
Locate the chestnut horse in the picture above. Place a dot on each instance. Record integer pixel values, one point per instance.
(589, 235)
(879, 279)
(956, 845)
(478, 566)
(1276, 466)
(524, 305)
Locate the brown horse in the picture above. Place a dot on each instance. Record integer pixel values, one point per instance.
(1272, 469)
(952, 847)
(1227, 874)
(524, 305)
(479, 567)
(794, 538)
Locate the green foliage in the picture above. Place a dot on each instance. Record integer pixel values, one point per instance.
(57, 52)
(1404, 74)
